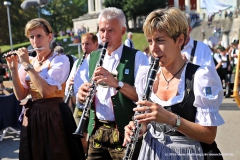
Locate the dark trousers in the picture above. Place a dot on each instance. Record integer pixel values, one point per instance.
(106, 143)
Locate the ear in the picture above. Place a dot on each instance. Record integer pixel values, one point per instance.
(180, 40)
(124, 30)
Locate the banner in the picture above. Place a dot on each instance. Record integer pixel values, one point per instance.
(214, 6)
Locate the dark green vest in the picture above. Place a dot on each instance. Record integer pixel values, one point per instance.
(122, 106)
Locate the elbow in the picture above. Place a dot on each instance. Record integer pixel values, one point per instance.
(210, 140)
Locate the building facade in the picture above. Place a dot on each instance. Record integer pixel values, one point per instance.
(89, 20)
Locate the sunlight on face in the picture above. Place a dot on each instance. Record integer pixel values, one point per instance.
(111, 31)
(38, 38)
(88, 45)
(164, 47)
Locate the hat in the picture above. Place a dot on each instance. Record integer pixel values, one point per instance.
(221, 48)
(235, 41)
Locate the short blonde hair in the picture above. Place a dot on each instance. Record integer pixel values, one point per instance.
(171, 21)
(37, 23)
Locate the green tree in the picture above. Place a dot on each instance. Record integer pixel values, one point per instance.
(135, 8)
(60, 13)
(18, 18)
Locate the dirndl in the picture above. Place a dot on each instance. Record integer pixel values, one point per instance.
(159, 146)
(46, 132)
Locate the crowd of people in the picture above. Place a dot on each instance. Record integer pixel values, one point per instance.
(179, 121)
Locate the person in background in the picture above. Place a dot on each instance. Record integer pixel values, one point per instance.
(100, 44)
(181, 118)
(233, 51)
(89, 44)
(222, 62)
(2, 72)
(59, 49)
(116, 94)
(128, 42)
(195, 51)
(148, 54)
(48, 124)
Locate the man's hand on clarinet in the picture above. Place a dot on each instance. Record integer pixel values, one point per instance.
(83, 92)
(101, 75)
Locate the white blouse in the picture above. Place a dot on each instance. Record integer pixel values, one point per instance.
(207, 90)
(56, 75)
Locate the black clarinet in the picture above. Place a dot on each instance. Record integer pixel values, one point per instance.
(89, 100)
(14, 52)
(152, 72)
(71, 88)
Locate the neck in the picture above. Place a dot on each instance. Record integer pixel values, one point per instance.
(172, 69)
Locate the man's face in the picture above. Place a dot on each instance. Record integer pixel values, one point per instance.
(111, 31)
(88, 45)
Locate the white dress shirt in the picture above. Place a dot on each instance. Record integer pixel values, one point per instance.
(127, 43)
(103, 103)
(202, 54)
(235, 58)
(56, 75)
(207, 104)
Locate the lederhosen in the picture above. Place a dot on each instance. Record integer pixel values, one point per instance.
(105, 135)
(186, 110)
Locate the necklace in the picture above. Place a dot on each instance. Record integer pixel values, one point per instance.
(41, 62)
(168, 81)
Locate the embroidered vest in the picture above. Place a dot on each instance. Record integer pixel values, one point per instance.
(122, 106)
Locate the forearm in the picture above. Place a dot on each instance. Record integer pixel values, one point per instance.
(129, 91)
(19, 91)
(42, 86)
(198, 132)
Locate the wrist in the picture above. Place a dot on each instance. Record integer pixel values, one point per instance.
(120, 85)
(177, 122)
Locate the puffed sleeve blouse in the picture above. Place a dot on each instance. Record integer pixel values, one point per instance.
(55, 72)
(207, 90)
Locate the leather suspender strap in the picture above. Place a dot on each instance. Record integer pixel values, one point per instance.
(193, 50)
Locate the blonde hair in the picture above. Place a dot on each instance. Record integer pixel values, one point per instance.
(171, 21)
(37, 23)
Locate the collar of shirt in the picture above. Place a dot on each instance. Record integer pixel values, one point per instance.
(189, 44)
(116, 54)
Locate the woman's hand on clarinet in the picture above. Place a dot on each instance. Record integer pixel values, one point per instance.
(23, 55)
(12, 61)
(129, 129)
(83, 92)
(152, 112)
(128, 132)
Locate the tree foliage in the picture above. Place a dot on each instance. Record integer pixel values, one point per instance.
(135, 8)
(59, 13)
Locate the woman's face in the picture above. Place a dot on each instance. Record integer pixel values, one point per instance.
(164, 47)
(38, 38)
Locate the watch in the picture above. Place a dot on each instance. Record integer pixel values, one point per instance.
(178, 122)
(120, 85)
(28, 66)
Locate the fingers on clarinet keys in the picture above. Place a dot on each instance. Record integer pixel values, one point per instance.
(148, 109)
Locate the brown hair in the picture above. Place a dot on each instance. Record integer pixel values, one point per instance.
(37, 23)
(93, 37)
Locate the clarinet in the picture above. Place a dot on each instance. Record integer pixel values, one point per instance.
(70, 92)
(148, 88)
(89, 100)
(14, 52)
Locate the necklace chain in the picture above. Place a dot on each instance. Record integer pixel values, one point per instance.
(41, 62)
(168, 81)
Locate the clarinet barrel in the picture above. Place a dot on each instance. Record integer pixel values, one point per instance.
(148, 88)
(89, 100)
